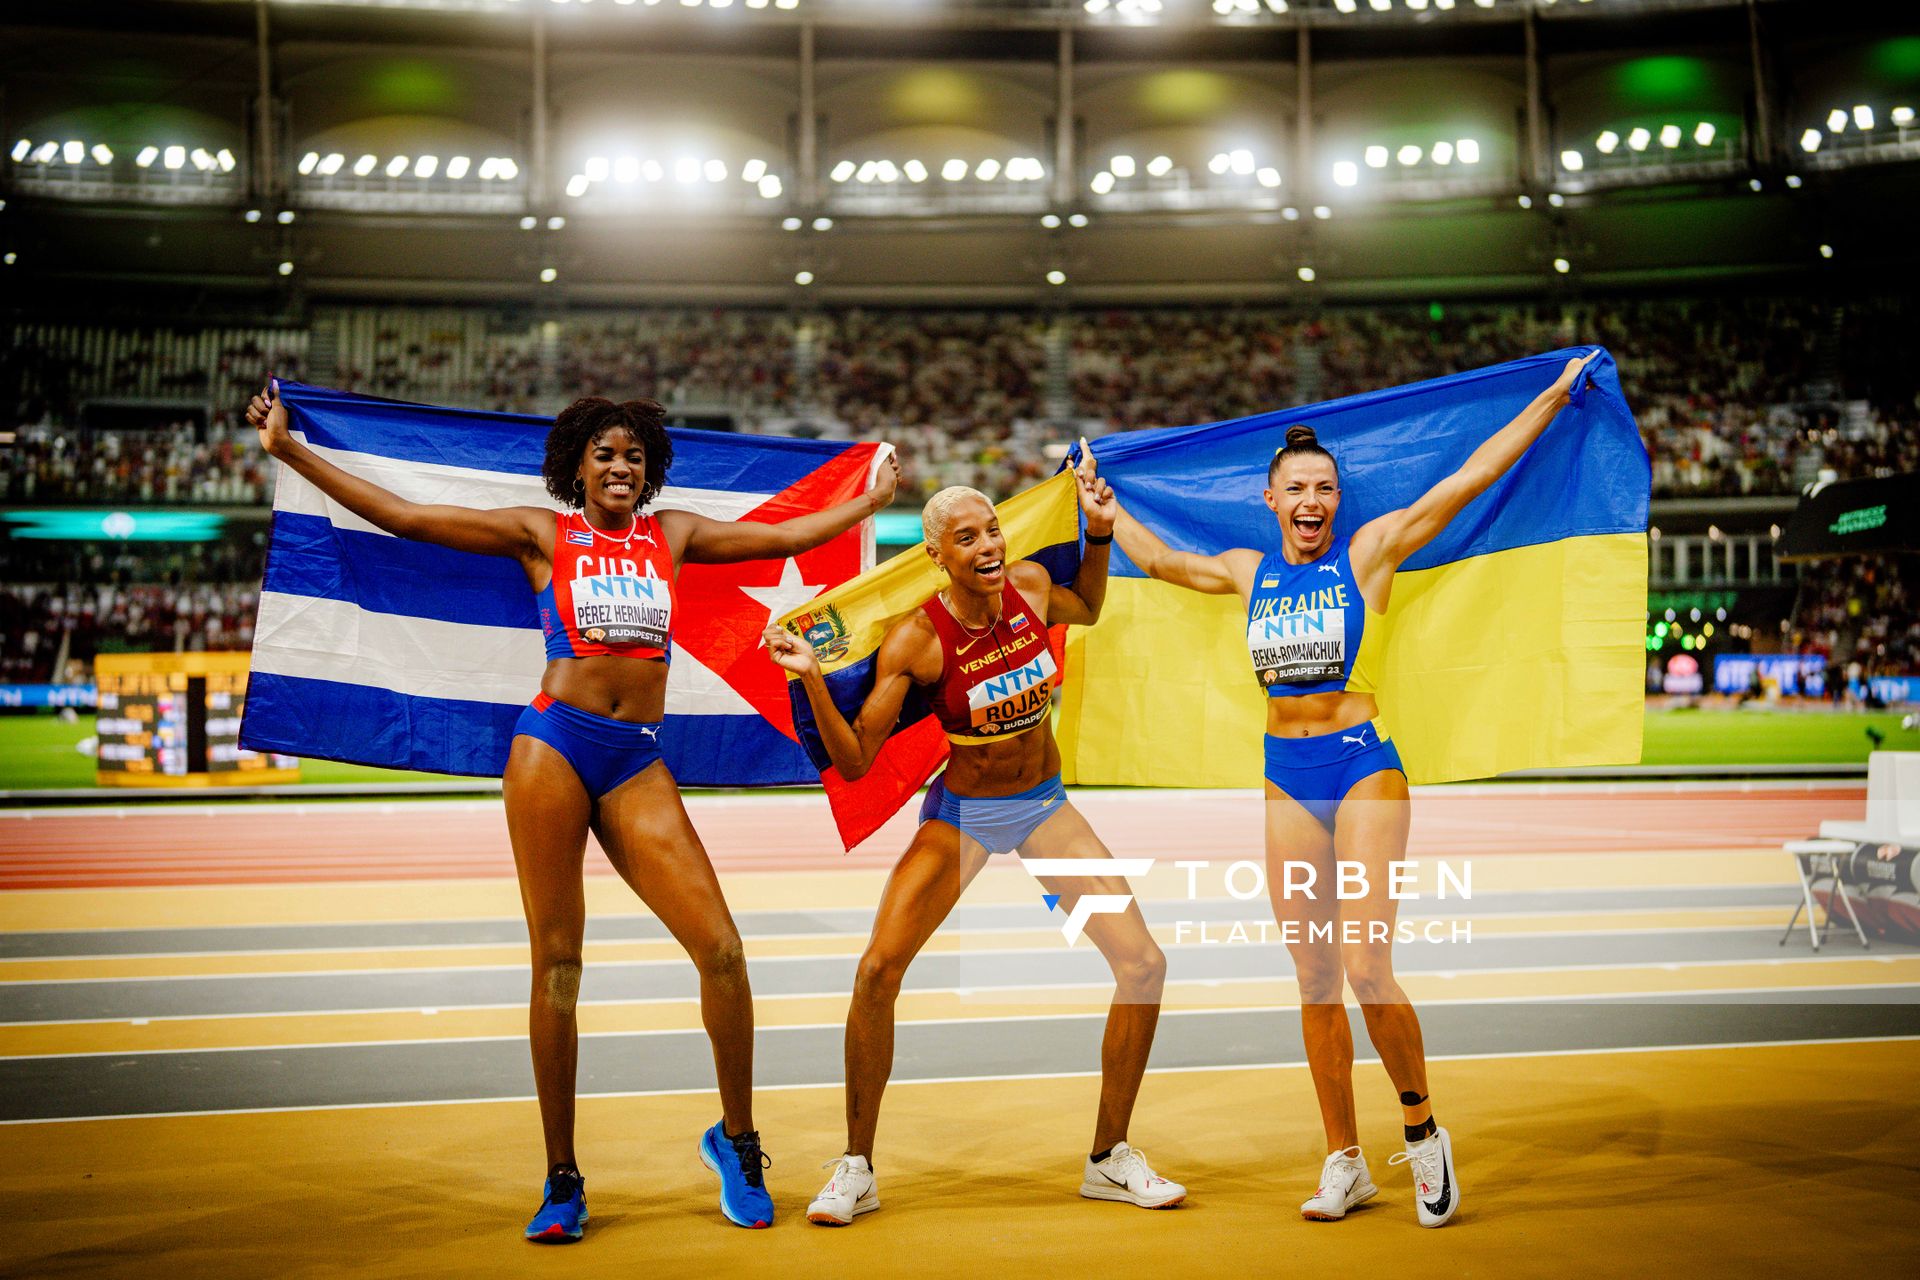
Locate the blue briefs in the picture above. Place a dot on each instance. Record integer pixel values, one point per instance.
(1319, 771)
(604, 752)
(1000, 824)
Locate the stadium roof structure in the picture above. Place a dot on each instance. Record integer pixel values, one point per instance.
(761, 151)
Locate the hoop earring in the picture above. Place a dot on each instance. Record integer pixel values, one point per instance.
(579, 486)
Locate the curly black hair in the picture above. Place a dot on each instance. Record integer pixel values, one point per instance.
(585, 421)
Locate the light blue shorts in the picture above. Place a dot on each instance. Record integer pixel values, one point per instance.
(1000, 824)
(1319, 771)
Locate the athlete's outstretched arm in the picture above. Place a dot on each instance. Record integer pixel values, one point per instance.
(1389, 539)
(910, 653)
(519, 532)
(701, 540)
(1079, 604)
(1220, 575)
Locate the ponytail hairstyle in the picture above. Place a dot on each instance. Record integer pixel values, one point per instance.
(1302, 442)
(585, 421)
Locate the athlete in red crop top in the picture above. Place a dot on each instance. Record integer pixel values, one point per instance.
(980, 648)
(586, 753)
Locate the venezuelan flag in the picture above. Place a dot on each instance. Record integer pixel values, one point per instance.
(1515, 637)
(846, 625)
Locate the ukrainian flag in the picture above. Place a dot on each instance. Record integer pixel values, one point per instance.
(1515, 638)
(846, 625)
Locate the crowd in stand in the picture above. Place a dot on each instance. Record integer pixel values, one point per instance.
(1862, 613)
(50, 627)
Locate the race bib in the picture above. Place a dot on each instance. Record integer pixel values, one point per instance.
(1306, 647)
(1009, 701)
(623, 608)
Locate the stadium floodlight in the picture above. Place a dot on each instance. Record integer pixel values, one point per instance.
(174, 157)
(1241, 161)
(751, 4)
(1572, 161)
(1638, 139)
(74, 152)
(1526, 202)
(915, 171)
(1409, 155)
(397, 166)
(1121, 166)
(331, 165)
(147, 156)
(1416, 5)
(1863, 117)
(1056, 276)
(987, 170)
(715, 170)
(1484, 4)
(1555, 199)
(251, 215)
(1322, 212)
(596, 169)
(309, 162)
(1096, 6)
(1219, 163)
(626, 170)
(1268, 176)
(529, 222)
(556, 223)
(457, 167)
(842, 171)
(102, 153)
(954, 170)
(651, 170)
(10, 257)
(1443, 153)
(285, 217)
(786, 4)
(887, 171)
(1836, 121)
(1902, 117)
(1810, 140)
(1306, 275)
(1161, 166)
(1755, 185)
(286, 268)
(1562, 265)
(791, 224)
(1669, 135)
(1346, 173)
(1077, 220)
(686, 170)
(867, 172)
(548, 275)
(823, 224)
(1345, 6)
(753, 170)
(577, 185)
(721, 4)
(1050, 221)
(1223, 6)
(1703, 134)
(426, 166)
(1277, 6)
(1376, 158)
(803, 278)
(769, 186)
(1102, 183)
(1607, 143)
(1826, 251)
(24, 148)
(1443, 4)
(1793, 180)
(1467, 150)
(364, 166)
(1290, 213)
(203, 160)
(1380, 6)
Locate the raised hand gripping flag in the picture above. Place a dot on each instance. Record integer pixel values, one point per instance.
(1515, 637)
(379, 650)
(846, 625)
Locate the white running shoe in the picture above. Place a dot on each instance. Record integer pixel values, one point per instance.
(1124, 1176)
(1437, 1190)
(1344, 1183)
(850, 1192)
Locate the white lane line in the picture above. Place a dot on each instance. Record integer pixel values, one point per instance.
(987, 1079)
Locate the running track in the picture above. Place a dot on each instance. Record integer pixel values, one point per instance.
(309, 842)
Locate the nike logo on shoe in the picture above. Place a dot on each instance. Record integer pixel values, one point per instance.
(1439, 1205)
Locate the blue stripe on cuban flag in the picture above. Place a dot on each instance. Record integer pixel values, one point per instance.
(378, 650)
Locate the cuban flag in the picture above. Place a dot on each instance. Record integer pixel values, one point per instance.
(383, 651)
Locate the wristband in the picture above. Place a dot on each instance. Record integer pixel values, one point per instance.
(1099, 540)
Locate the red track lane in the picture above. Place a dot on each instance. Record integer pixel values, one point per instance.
(259, 844)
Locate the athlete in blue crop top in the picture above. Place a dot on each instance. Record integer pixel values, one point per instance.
(1316, 631)
(586, 753)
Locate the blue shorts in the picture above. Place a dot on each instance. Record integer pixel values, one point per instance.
(1319, 771)
(603, 752)
(1000, 824)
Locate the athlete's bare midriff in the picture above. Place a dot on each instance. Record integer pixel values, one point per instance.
(632, 689)
(1313, 714)
(1006, 768)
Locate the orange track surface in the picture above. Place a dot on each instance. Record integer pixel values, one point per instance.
(265, 844)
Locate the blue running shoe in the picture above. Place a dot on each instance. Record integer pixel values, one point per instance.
(738, 1160)
(563, 1211)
